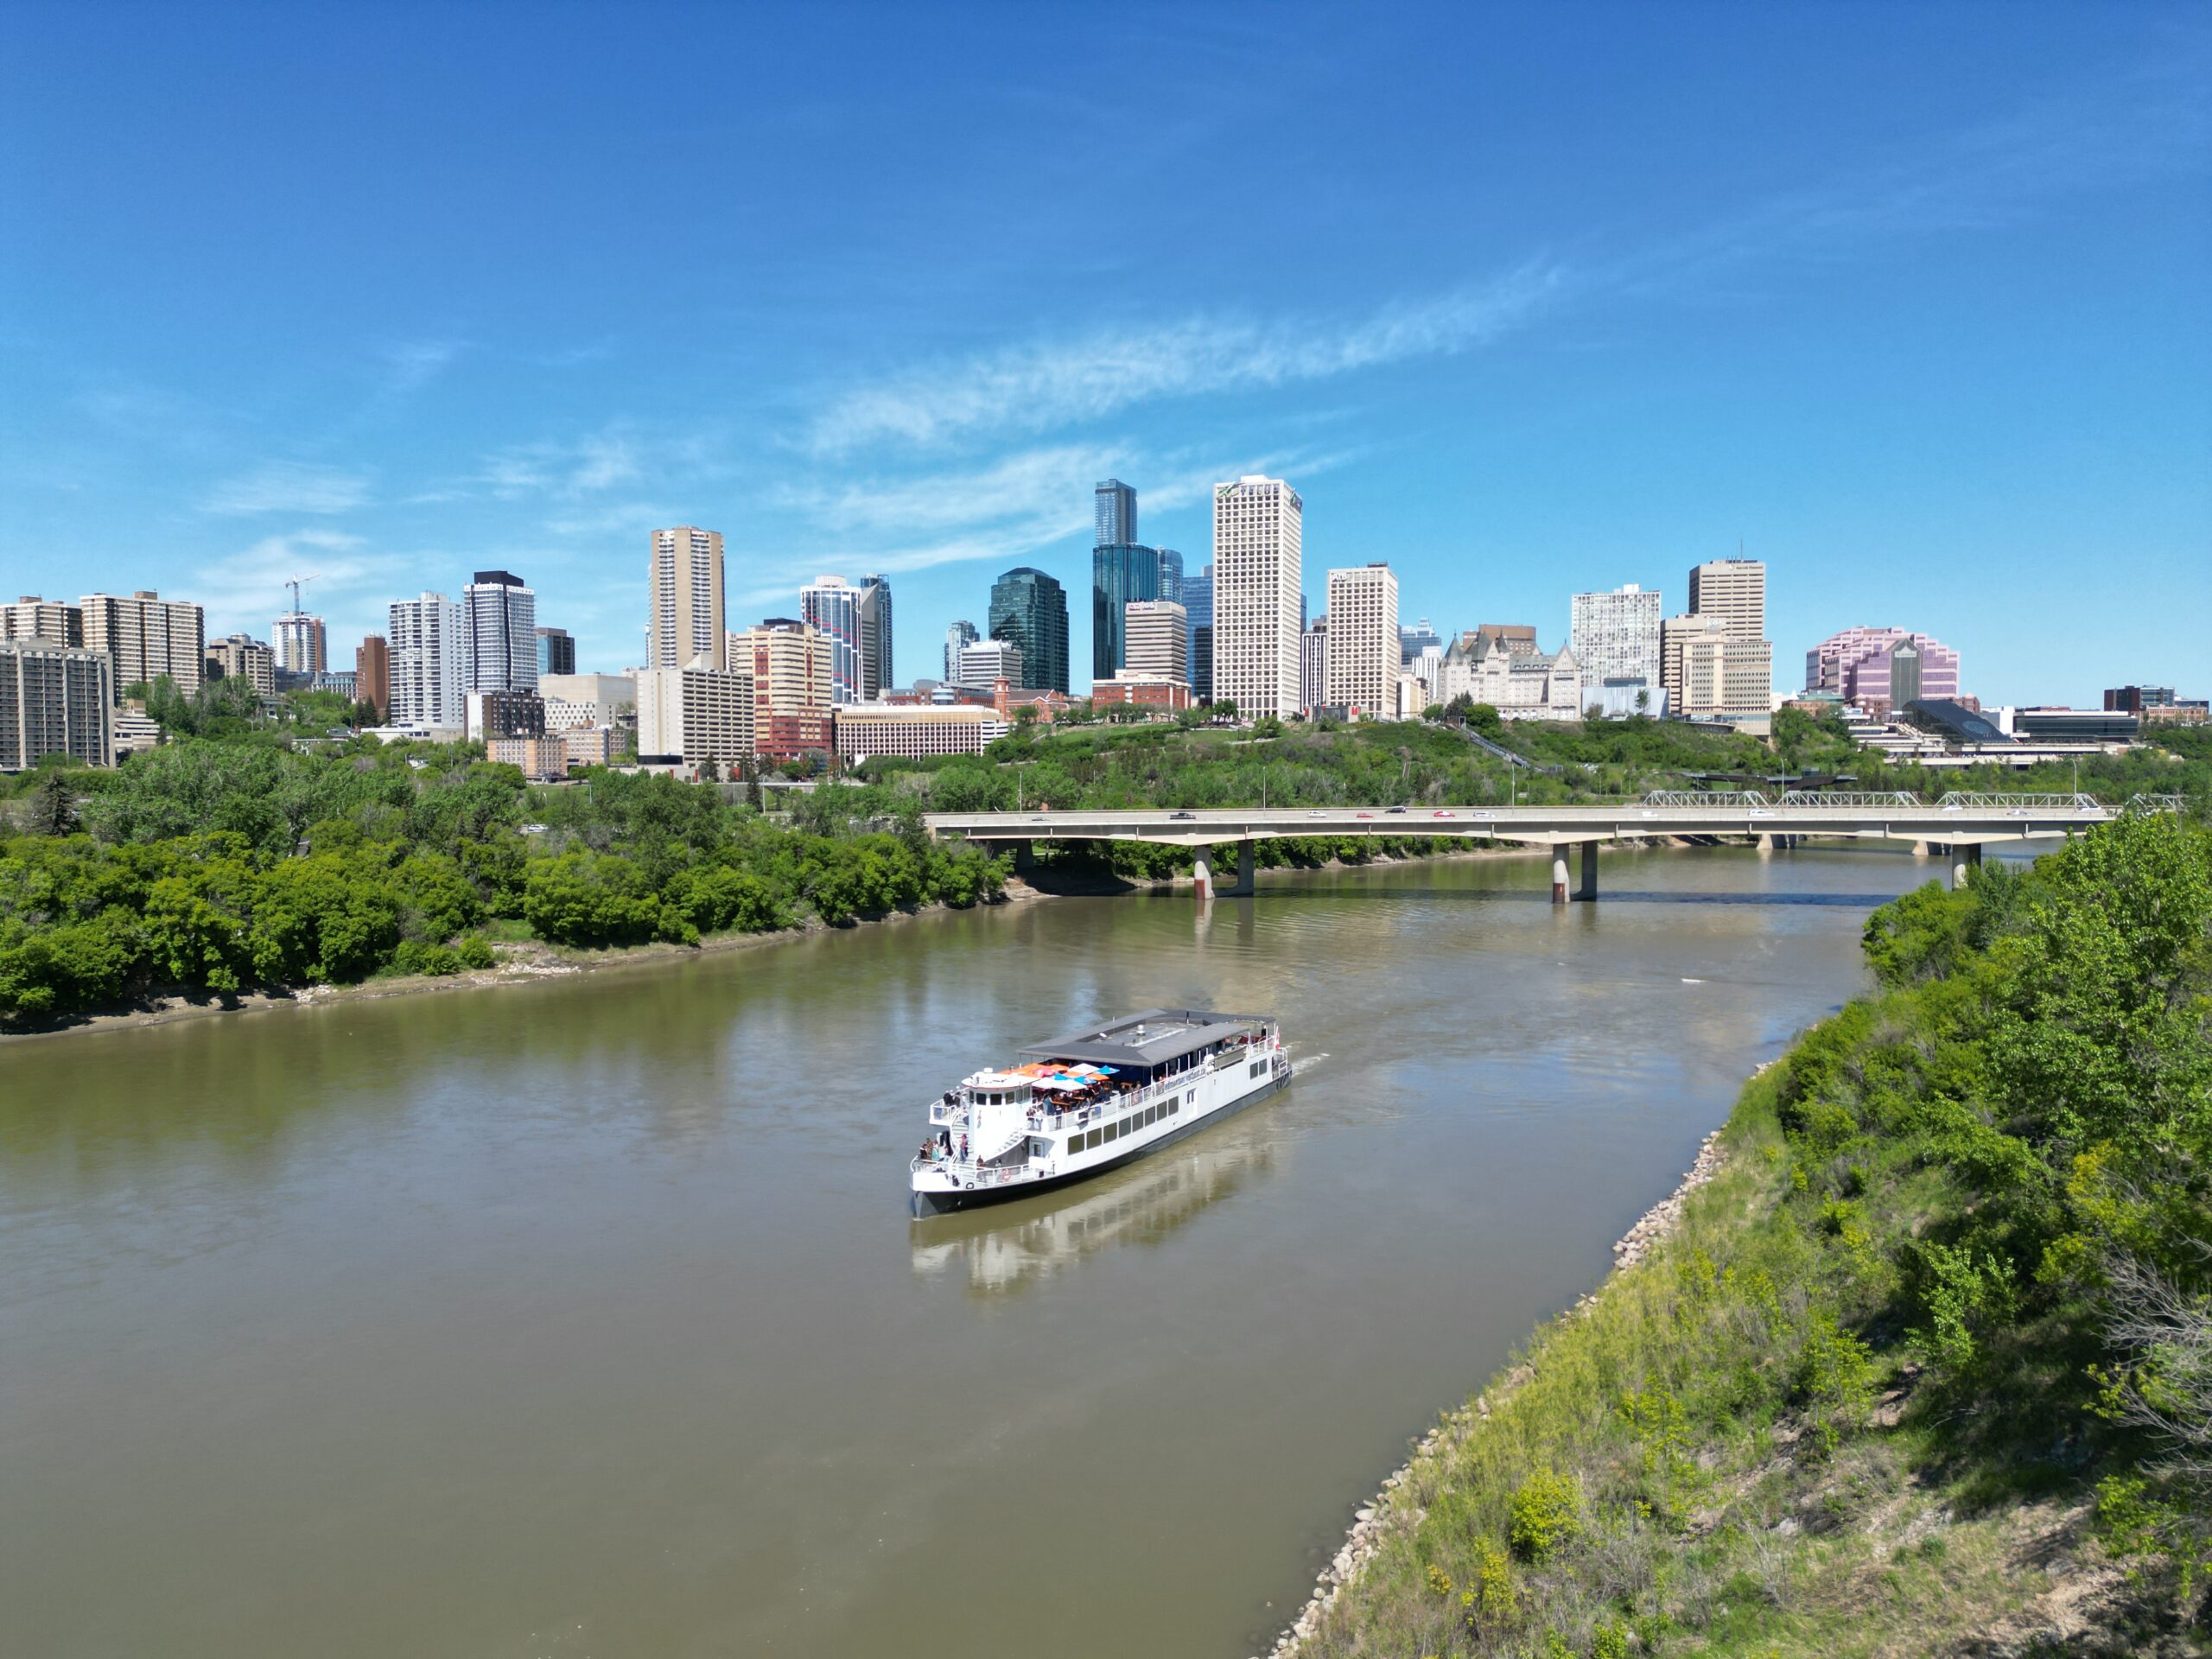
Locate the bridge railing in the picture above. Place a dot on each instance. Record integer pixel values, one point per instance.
(1850, 798)
(1704, 798)
(1984, 798)
(2147, 803)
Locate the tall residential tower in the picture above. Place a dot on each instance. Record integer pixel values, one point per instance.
(1258, 540)
(1365, 652)
(687, 598)
(499, 619)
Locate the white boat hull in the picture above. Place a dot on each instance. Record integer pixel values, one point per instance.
(973, 1189)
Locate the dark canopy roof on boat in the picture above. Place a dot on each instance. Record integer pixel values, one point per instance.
(1149, 1039)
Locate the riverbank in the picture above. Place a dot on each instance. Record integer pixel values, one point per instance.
(519, 964)
(1913, 1361)
(531, 961)
(1830, 1530)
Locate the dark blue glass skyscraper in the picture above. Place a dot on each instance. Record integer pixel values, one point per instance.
(1030, 609)
(1118, 575)
(1117, 504)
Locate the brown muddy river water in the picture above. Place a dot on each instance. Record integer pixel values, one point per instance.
(586, 1316)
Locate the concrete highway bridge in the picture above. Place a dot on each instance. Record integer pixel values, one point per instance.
(1959, 825)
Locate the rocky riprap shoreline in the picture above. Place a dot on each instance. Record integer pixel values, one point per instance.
(1377, 1518)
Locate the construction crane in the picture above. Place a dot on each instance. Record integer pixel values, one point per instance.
(296, 584)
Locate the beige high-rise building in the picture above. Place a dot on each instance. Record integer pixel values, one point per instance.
(1735, 591)
(1364, 654)
(32, 618)
(695, 715)
(146, 636)
(243, 658)
(1258, 573)
(55, 699)
(1717, 661)
(687, 598)
(793, 685)
(1156, 634)
(1709, 673)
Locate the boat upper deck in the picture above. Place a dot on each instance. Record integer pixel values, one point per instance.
(1150, 1039)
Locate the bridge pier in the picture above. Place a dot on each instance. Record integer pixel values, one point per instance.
(1205, 883)
(1024, 857)
(1765, 843)
(1559, 875)
(1920, 849)
(1588, 890)
(1966, 859)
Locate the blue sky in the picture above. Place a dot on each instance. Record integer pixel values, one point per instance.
(1909, 300)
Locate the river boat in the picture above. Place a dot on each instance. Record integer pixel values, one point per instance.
(1078, 1106)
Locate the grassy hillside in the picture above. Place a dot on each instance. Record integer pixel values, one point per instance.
(1927, 1370)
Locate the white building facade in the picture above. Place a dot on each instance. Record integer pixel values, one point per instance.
(987, 662)
(1157, 641)
(1365, 654)
(300, 643)
(1520, 685)
(573, 700)
(1258, 572)
(500, 617)
(1615, 635)
(429, 676)
(690, 716)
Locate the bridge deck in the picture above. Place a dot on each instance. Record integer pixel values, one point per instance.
(1949, 825)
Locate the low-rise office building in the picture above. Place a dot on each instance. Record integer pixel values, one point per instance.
(1140, 690)
(542, 759)
(489, 713)
(595, 746)
(573, 700)
(689, 716)
(915, 731)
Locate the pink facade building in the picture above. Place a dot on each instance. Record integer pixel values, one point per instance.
(1881, 668)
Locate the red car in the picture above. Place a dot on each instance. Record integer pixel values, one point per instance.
(1365, 815)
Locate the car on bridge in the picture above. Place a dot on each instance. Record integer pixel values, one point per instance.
(1172, 816)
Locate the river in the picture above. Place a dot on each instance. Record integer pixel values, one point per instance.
(586, 1317)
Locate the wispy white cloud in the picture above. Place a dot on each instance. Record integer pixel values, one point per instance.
(1041, 385)
(243, 590)
(291, 486)
(572, 470)
(1014, 510)
(413, 364)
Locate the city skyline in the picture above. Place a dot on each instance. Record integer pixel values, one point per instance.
(1954, 355)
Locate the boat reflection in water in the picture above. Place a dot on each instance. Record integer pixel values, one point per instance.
(1012, 1246)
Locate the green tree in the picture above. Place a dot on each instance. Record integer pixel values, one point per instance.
(54, 804)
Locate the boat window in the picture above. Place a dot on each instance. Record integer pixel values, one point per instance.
(1113, 1132)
